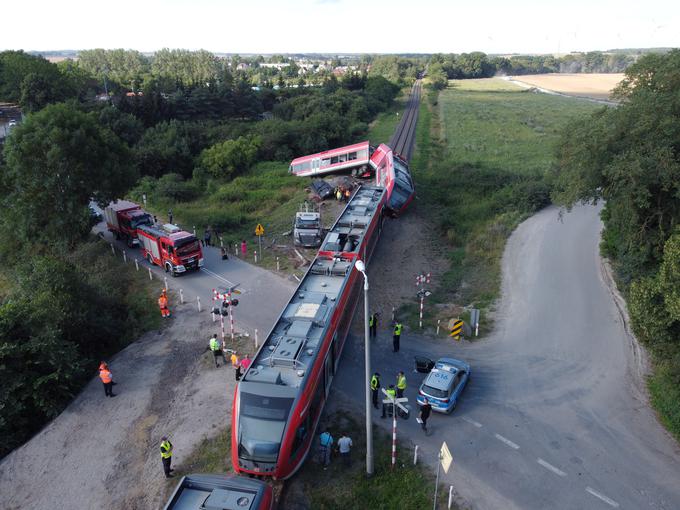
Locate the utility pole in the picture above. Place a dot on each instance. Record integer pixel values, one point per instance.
(367, 366)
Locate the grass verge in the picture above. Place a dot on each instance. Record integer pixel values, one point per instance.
(383, 127)
(485, 169)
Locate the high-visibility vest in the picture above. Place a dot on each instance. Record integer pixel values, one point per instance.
(401, 382)
(166, 449)
(371, 320)
(397, 329)
(105, 376)
(375, 383)
(391, 392)
(163, 302)
(214, 344)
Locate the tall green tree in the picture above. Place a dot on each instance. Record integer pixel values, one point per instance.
(56, 162)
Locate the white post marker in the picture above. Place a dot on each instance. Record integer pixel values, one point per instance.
(392, 314)
(256, 340)
(137, 264)
(256, 256)
(277, 264)
(221, 243)
(198, 300)
(395, 402)
(124, 257)
(450, 496)
(194, 230)
(181, 296)
(422, 298)
(113, 250)
(438, 322)
(415, 455)
(150, 274)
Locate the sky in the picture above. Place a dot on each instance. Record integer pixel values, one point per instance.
(341, 26)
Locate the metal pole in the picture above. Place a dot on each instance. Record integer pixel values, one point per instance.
(436, 486)
(260, 241)
(422, 298)
(367, 355)
(231, 318)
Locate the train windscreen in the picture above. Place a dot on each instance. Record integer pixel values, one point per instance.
(261, 423)
(403, 187)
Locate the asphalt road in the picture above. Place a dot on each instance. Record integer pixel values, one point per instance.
(554, 415)
(263, 294)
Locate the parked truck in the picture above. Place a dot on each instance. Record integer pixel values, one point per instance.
(307, 229)
(170, 248)
(123, 218)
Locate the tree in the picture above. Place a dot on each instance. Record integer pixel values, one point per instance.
(437, 77)
(164, 148)
(57, 161)
(231, 157)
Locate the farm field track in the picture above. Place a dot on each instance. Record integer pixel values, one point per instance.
(595, 86)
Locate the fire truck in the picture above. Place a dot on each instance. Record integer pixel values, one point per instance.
(170, 248)
(123, 218)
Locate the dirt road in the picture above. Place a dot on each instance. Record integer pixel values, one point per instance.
(104, 452)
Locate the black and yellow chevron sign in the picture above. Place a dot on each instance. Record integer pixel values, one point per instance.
(456, 329)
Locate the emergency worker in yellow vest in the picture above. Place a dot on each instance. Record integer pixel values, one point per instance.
(166, 456)
(391, 392)
(373, 324)
(401, 384)
(375, 388)
(396, 336)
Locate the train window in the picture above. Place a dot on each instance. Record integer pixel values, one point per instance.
(362, 154)
(268, 408)
(306, 165)
(342, 158)
(351, 156)
(301, 435)
(325, 162)
(334, 160)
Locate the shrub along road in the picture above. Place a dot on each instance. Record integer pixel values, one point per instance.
(554, 415)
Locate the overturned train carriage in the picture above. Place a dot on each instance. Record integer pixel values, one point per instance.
(278, 403)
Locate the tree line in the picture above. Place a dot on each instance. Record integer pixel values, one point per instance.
(629, 157)
(480, 65)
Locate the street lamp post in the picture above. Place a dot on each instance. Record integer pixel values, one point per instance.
(361, 267)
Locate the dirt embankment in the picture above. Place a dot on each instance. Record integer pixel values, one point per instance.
(104, 452)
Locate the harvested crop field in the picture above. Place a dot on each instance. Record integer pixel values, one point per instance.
(596, 86)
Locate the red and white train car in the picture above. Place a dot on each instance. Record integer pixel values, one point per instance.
(345, 158)
(278, 402)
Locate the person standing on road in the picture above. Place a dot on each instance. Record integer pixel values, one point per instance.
(170, 216)
(425, 411)
(216, 348)
(107, 380)
(375, 388)
(244, 248)
(401, 384)
(236, 365)
(245, 363)
(373, 324)
(206, 237)
(396, 337)
(166, 456)
(325, 446)
(391, 393)
(163, 304)
(345, 447)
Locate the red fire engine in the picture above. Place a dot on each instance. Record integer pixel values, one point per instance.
(123, 218)
(170, 248)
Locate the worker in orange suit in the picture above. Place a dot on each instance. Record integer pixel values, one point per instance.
(107, 380)
(163, 304)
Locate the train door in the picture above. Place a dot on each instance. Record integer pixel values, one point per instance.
(315, 165)
(329, 365)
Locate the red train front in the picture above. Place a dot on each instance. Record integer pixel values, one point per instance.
(278, 403)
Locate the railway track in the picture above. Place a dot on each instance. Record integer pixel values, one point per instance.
(404, 136)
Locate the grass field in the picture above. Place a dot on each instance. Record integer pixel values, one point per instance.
(596, 85)
(491, 147)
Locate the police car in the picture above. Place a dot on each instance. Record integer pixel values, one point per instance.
(444, 384)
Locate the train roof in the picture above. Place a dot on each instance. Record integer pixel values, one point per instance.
(216, 492)
(330, 152)
(284, 360)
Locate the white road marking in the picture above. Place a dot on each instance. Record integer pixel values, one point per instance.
(507, 442)
(472, 422)
(550, 467)
(604, 498)
(215, 275)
